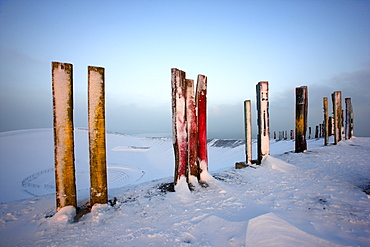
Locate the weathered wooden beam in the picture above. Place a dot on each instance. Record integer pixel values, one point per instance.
(248, 131)
(337, 114)
(347, 126)
(317, 131)
(179, 127)
(301, 119)
(97, 143)
(191, 117)
(62, 83)
(263, 136)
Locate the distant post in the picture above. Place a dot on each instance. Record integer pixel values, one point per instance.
(62, 83)
(191, 118)
(248, 131)
(263, 137)
(326, 121)
(337, 112)
(201, 104)
(349, 119)
(97, 145)
(301, 119)
(179, 128)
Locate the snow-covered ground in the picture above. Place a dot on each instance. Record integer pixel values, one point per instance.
(314, 198)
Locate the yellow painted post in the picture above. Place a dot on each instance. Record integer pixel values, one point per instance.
(62, 83)
(326, 121)
(97, 146)
(301, 111)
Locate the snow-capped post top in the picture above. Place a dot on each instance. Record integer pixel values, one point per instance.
(97, 145)
(62, 83)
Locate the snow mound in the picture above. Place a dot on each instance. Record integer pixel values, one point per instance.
(276, 164)
(270, 230)
(63, 216)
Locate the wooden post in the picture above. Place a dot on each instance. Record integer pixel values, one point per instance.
(97, 145)
(301, 119)
(62, 83)
(201, 104)
(248, 131)
(291, 134)
(263, 136)
(331, 126)
(349, 119)
(317, 132)
(351, 122)
(179, 130)
(192, 132)
(326, 121)
(337, 113)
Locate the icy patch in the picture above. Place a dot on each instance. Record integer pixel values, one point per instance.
(276, 164)
(130, 149)
(270, 230)
(43, 182)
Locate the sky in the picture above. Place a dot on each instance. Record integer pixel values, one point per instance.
(320, 44)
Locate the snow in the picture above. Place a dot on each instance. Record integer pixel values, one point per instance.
(315, 198)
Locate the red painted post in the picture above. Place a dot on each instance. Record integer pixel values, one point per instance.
(179, 130)
(192, 132)
(201, 103)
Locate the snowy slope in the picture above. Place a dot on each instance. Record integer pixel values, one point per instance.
(308, 199)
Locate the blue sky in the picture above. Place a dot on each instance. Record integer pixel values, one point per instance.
(321, 44)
